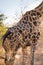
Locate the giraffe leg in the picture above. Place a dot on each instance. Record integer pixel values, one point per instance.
(24, 55)
(32, 55)
(23, 58)
(12, 56)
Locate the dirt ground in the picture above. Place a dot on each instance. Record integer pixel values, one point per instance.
(38, 59)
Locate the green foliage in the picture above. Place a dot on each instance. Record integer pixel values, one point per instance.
(2, 27)
(2, 31)
(2, 17)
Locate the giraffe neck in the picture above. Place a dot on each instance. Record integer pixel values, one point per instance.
(40, 8)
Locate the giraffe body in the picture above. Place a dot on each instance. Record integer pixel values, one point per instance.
(25, 33)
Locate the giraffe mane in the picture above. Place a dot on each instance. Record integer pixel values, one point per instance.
(6, 35)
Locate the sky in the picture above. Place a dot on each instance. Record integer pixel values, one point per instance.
(13, 9)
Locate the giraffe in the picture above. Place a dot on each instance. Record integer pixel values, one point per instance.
(24, 33)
